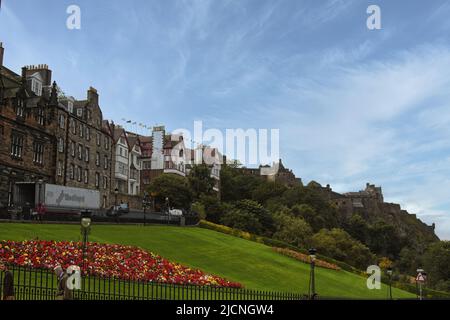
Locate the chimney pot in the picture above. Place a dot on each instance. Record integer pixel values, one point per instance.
(2, 50)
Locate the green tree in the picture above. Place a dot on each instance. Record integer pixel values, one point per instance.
(248, 215)
(199, 208)
(338, 244)
(309, 214)
(174, 187)
(384, 239)
(201, 181)
(437, 264)
(214, 209)
(235, 185)
(293, 230)
(358, 228)
(261, 214)
(267, 190)
(242, 220)
(408, 261)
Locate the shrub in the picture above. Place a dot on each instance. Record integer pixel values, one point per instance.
(305, 258)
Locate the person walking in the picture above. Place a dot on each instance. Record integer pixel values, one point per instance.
(8, 283)
(40, 211)
(63, 292)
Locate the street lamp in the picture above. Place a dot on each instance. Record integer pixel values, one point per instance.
(168, 210)
(389, 272)
(116, 192)
(39, 206)
(40, 183)
(145, 204)
(312, 285)
(85, 228)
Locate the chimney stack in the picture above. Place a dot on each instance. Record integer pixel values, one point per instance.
(2, 51)
(92, 96)
(24, 73)
(43, 70)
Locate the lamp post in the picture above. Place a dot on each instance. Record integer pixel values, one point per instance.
(116, 192)
(85, 228)
(312, 284)
(389, 272)
(168, 209)
(145, 204)
(39, 206)
(40, 182)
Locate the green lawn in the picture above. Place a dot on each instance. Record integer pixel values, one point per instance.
(254, 265)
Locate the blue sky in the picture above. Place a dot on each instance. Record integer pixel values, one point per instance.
(353, 105)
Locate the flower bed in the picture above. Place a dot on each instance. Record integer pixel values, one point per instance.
(106, 260)
(305, 258)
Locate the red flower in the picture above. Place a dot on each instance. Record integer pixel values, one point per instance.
(106, 260)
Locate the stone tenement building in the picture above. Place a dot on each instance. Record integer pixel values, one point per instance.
(84, 146)
(48, 136)
(27, 122)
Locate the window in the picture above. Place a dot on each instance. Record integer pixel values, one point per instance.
(106, 143)
(86, 176)
(88, 114)
(20, 108)
(72, 172)
(80, 152)
(38, 152)
(40, 116)
(88, 133)
(61, 145)
(97, 180)
(105, 183)
(97, 159)
(81, 130)
(86, 155)
(16, 145)
(147, 165)
(122, 169)
(73, 126)
(79, 170)
(62, 121)
(120, 151)
(105, 163)
(36, 87)
(72, 149)
(60, 169)
(70, 106)
(80, 112)
(99, 139)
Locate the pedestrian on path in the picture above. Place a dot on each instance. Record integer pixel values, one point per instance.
(8, 282)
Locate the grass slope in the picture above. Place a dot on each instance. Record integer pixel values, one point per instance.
(254, 265)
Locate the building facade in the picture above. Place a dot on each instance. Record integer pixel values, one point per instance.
(50, 137)
(27, 123)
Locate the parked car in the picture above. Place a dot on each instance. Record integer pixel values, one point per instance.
(175, 212)
(118, 210)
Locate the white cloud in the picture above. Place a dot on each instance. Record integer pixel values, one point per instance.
(376, 122)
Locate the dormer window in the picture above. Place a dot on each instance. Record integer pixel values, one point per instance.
(36, 86)
(70, 106)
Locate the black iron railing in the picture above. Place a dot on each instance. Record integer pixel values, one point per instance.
(42, 284)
